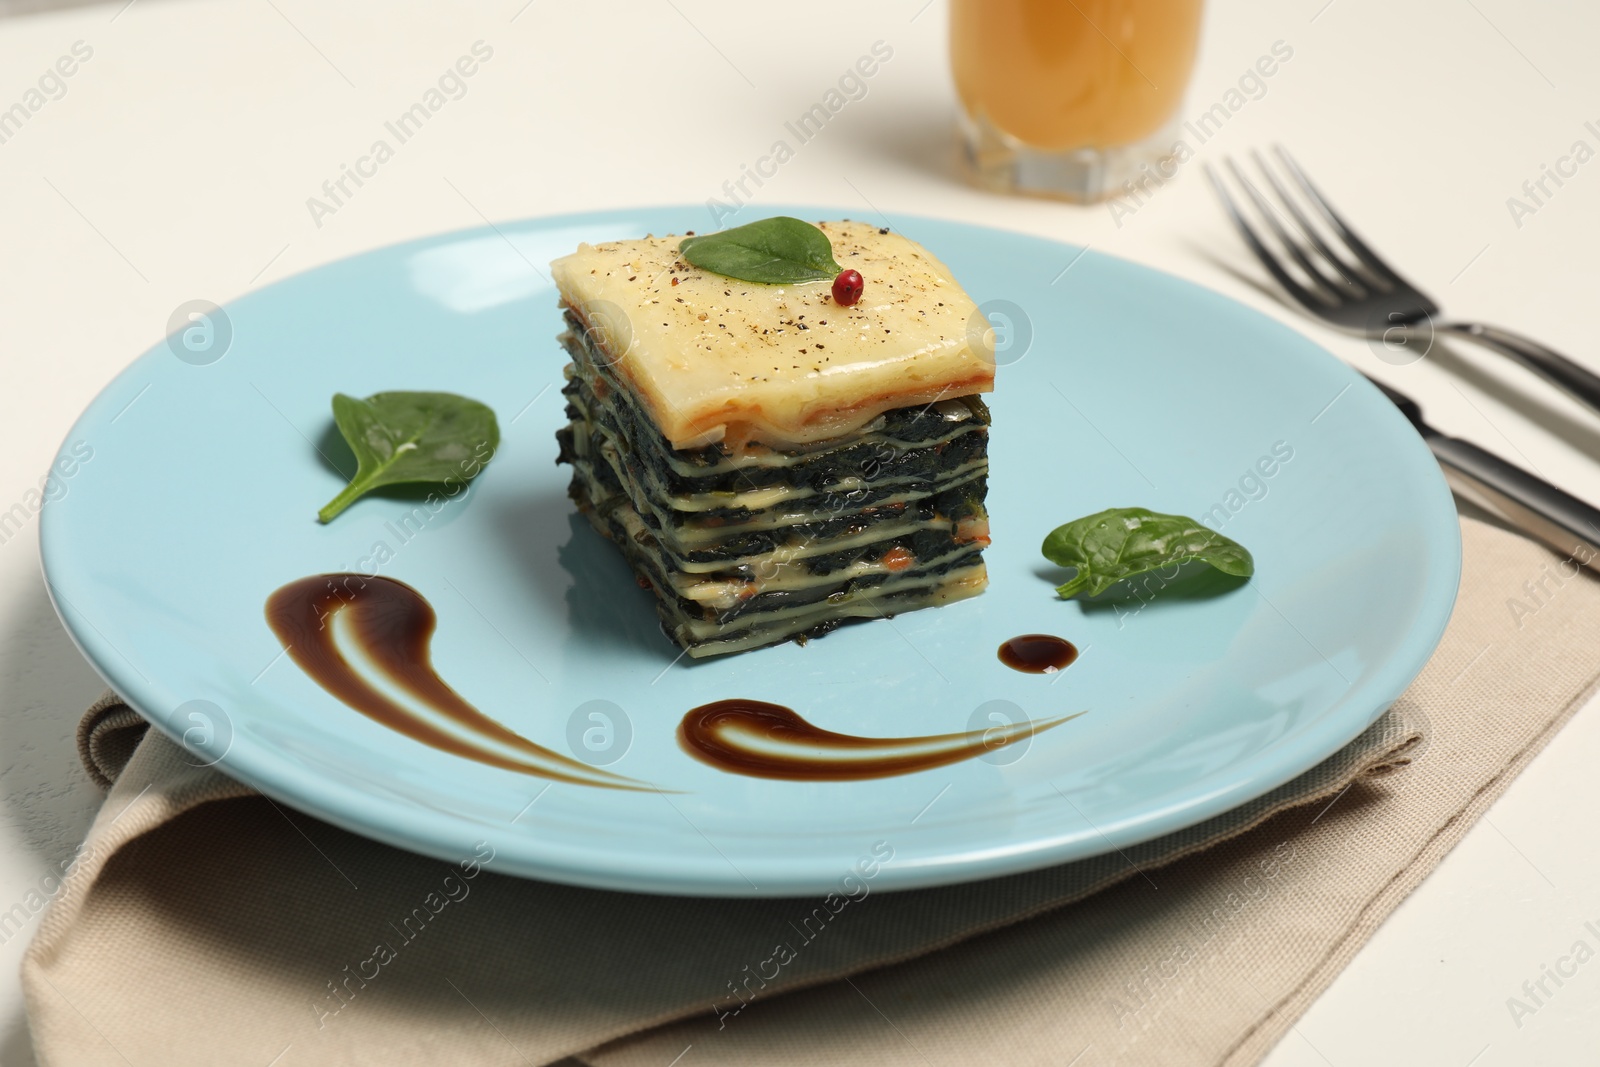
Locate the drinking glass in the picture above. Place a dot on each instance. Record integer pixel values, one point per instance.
(1070, 98)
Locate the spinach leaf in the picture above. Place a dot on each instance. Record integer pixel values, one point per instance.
(1120, 543)
(776, 251)
(401, 438)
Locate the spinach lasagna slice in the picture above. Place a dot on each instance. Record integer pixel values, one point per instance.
(773, 464)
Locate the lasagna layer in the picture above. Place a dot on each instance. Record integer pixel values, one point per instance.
(888, 479)
(710, 617)
(716, 360)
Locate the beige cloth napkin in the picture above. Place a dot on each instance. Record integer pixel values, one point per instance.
(204, 924)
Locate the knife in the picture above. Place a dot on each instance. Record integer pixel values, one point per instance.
(1550, 516)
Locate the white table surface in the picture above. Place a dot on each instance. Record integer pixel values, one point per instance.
(178, 163)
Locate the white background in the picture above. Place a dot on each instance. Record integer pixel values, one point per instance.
(178, 164)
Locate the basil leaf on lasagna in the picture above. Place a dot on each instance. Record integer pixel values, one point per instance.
(776, 251)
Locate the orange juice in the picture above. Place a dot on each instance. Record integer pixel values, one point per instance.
(1063, 75)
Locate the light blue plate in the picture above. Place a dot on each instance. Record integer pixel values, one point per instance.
(1118, 386)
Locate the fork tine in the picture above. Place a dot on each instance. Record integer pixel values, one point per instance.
(1367, 256)
(1308, 230)
(1306, 297)
(1296, 251)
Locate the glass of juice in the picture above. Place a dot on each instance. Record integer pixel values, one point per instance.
(1070, 98)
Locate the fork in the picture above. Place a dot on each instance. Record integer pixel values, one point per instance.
(1355, 290)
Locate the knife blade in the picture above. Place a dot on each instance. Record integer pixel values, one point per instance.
(1551, 516)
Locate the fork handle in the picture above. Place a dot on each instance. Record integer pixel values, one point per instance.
(1577, 380)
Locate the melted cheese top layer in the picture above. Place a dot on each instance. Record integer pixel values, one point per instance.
(716, 359)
